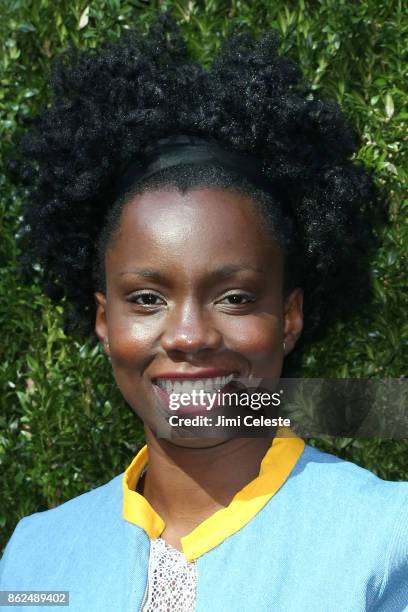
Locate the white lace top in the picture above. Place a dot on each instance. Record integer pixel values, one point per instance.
(172, 580)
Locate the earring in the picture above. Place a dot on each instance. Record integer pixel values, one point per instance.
(106, 343)
(284, 345)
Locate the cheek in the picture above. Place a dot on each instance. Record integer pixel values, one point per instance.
(259, 340)
(130, 352)
(257, 337)
(131, 340)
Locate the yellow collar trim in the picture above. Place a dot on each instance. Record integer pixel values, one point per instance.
(276, 466)
(136, 509)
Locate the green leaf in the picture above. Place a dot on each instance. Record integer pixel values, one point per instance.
(389, 106)
(84, 19)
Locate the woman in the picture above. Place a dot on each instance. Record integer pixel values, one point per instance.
(199, 221)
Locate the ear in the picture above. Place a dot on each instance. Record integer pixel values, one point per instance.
(293, 319)
(101, 323)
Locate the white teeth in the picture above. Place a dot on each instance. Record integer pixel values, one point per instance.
(208, 385)
(197, 384)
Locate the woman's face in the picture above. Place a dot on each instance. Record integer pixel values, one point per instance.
(193, 289)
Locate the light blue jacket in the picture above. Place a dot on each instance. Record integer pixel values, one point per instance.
(332, 538)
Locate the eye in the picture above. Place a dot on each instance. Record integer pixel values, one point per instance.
(237, 299)
(146, 298)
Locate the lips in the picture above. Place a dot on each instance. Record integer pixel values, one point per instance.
(192, 383)
(197, 373)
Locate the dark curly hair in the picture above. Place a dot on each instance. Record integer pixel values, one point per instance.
(110, 104)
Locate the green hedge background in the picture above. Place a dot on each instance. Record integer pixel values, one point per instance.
(64, 427)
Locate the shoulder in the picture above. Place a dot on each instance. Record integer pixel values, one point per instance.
(334, 477)
(78, 509)
(347, 490)
(41, 536)
(368, 512)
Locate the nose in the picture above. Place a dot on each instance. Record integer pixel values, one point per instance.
(189, 330)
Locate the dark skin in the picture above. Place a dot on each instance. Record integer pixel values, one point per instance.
(194, 281)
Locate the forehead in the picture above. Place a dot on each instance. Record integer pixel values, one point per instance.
(200, 227)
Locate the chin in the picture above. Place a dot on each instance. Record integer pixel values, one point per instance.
(197, 443)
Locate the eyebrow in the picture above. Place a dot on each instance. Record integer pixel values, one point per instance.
(223, 272)
(147, 273)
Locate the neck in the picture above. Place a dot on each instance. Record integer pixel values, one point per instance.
(187, 485)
